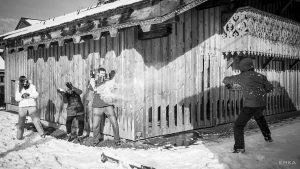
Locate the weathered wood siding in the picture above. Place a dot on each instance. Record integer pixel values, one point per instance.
(50, 68)
(169, 84)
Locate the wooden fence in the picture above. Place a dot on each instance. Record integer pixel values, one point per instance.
(170, 84)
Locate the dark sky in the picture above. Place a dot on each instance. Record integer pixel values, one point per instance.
(12, 10)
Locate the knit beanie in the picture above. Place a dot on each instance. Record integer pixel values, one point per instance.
(245, 64)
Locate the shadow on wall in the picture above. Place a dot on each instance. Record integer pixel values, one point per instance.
(220, 109)
(50, 111)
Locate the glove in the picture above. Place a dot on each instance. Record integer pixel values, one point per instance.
(69, 85)
(98, 83)
(92, 74)
(228, 86)
(59, 90)
(25, 95)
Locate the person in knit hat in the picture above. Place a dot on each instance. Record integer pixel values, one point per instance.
(255, 87)
(75, 110)
(26, 94)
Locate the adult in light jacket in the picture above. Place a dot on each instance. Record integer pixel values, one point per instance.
(26, 95)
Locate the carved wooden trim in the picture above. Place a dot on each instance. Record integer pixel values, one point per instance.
(146, 27)
(35, 47)
(76, 39)
(47, 45)
(96, 35)
(113, 32)
(55, 33)
(61, 42)
(264, 25)
(258, 32)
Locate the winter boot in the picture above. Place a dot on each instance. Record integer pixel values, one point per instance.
(96, 141)
(239, 150)
(268, 138)
(70, 137)
(118, 142)
(80, 138)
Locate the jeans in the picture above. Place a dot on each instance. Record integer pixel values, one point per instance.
(32, 112)
(80, 119)
(241, 121)
(98, 121)
(88, 120)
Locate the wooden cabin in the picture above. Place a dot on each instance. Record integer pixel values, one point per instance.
(170, 58)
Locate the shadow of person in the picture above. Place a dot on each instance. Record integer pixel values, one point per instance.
(27, 144)
(50, 111)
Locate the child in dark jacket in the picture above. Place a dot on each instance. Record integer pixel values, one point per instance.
(75, 109)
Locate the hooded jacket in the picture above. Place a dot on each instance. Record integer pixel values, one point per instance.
(254, 86)
(26, 102)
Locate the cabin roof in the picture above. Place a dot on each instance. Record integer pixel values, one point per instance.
(25, 22)
(80, 14)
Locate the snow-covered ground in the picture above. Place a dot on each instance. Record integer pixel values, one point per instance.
(35, 152)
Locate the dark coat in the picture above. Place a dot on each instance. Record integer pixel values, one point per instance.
(254, 86)
(75, 106)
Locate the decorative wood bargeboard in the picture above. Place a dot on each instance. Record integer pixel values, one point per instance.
(144, 17)
(256, 32)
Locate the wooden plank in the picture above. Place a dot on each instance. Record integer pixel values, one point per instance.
(6, 78)
(82, 49)
(155, 91)
(188, 100)
(97, 46)
(298, 86)
(54, 78)
(131, 109)
(91, 46)
(76, 48)
(148, 117)
(103, 47)
(87, 49)
(170, 109)
(89, 64)
(165, 79)
(194, 72)
(218, 64)
(51, 89)
(121, 112)
(212, 69)
(39, 79)
(206, 68)
(200, 67)
(45, 88)
(181, 72)
(72, 50)
(108, 65)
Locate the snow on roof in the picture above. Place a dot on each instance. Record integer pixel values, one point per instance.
(33, 21)
(69, 17)
(12, 32)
